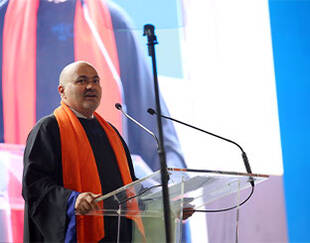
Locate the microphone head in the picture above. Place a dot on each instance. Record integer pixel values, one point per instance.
(118, 106)
(151, 111)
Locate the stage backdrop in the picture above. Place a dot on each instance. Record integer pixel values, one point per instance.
(236, 68)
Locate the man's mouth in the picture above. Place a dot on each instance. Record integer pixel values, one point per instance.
(90, 95)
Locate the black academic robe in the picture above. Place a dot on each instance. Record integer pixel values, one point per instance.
(45, 197)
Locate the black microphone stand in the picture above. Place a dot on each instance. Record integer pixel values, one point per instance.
(152, 41)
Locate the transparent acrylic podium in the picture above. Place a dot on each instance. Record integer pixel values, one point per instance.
(142, 200)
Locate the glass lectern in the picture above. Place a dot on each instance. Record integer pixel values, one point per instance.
(142, 202)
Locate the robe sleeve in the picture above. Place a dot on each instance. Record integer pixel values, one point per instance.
(71, 228)
(43, 191)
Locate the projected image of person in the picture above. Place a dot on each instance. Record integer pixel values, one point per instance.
(61, 27)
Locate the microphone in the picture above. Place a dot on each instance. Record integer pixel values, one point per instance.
(119, 107)
(244, 156)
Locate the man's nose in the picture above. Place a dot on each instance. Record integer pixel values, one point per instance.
(90, 84)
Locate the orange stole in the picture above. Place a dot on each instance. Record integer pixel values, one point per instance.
(80, 169)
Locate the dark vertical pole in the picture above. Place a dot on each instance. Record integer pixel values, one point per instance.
(152, 41)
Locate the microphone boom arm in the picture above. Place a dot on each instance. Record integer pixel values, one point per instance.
(244, 156)
(119, 107)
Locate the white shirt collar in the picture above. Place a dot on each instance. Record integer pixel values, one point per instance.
(79, 115)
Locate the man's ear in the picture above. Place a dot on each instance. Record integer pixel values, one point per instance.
(61, 91)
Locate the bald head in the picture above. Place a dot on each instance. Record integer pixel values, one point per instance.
(68, 71)
(79, 87)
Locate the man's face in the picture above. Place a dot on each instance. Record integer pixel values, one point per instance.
(81, 90)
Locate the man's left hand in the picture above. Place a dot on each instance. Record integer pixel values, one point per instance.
(187, 212)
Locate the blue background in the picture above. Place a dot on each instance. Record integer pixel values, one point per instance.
(290, 26)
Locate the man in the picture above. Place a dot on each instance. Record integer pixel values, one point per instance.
(71, 157)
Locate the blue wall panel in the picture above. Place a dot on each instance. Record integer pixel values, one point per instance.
(290, 26)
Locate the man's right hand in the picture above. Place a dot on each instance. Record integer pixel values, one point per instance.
(85, 202)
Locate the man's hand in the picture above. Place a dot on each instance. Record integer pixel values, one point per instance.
(85, 202)
(188, 212)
